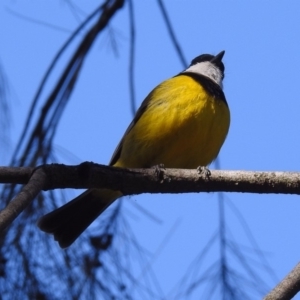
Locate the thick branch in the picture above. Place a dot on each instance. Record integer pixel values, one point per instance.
(288, 287)
(153, 180)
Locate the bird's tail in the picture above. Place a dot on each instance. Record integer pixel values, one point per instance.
(69, 221)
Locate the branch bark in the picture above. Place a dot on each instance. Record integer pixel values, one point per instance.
(156, 180)
(24, 198)
(288, 287)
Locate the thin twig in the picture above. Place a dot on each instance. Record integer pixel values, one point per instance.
(46, 76)
(172, 33)
(132, 57)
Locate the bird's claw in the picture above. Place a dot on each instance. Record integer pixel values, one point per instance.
(159, 170)
(204, 171)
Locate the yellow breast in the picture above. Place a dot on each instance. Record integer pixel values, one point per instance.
(182, 127)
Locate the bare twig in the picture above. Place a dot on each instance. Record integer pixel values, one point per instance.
(45, 78)
(44, 131)
(132, 57)
(5, 114)
(288, 287)
(23, 199)
(172, 33)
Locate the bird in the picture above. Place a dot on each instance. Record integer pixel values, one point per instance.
(182, 123)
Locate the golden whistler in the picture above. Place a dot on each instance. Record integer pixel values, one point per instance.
(182, 123)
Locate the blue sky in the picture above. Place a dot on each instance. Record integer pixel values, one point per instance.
(262, 64)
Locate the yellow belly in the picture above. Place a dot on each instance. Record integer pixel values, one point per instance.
(182, 127)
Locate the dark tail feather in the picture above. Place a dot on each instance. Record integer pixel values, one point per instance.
(69, 221)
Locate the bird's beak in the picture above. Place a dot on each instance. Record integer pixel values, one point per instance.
(218, 58)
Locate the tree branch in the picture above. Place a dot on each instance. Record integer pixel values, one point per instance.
(138, 181)
(156, 180)
(153, 180)
(23, 199)
(288, 287)
(15, 174)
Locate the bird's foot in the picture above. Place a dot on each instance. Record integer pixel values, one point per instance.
(204, 172)
(159, 170)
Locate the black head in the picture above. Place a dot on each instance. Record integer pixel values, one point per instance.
(216, 60)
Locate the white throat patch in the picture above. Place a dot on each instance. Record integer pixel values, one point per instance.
(207, 69)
